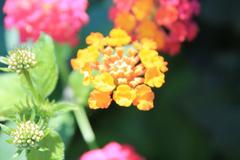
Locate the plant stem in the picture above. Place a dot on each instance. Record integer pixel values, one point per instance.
(30, 83)
(85, 127)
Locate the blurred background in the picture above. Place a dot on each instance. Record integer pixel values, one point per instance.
(197, 111)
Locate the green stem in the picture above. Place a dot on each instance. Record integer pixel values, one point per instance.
(85, 127)
(30, 83)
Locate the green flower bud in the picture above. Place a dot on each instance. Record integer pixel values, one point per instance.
(21, 59)
(27, 135)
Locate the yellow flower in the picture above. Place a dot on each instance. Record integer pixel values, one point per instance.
(148, 44)
(121, 70)
(85, 57)
(87, 77)
(98, 99)
(124, 95)
(144, 97)
(104, 82)
(125, 21)
(96, 39)
(118, 37)
(150, 59)
(154, 78)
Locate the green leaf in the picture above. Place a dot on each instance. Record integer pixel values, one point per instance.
(80, 91)
(63, 53)
(8, 150)
(55, 145)
(64, 124)
(11, 93)
(5, 69)
(63, 107)
(45, 74)
(5, 129)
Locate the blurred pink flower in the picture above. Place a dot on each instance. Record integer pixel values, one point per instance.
(62, 19)
(174, 19)
(112, 151)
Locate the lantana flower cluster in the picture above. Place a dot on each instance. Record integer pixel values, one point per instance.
(27, 135)
(62, 19)
(112, 151)
(168, 22)
(120, 70)
(21, 59)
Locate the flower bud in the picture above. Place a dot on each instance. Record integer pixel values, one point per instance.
(21, 59)
(27, 135)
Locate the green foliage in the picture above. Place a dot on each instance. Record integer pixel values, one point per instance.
(7, 151)
(64, 124)
(63, 107)
(80, 91)
(11, 93)
(62, 55)
(55, 147)
(45, 74)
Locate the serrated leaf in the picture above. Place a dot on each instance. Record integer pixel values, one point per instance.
(80, 91)
(45, 74)
(55, 145)
(11, 93)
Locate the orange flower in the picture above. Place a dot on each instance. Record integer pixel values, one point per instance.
(154, 77)
(158, 20)
(146, 29)
(125, 21)
(123, 71)
(142, 8)
(144, 97)
(99, 100)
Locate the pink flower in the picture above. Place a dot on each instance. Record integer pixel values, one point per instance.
(112, 151)
(62, 19)
(173, 18)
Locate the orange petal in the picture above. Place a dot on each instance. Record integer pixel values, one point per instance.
(125, 21)
(154, 78)
(142, 8)
(99, 100)
(144, 97)
(145, 105)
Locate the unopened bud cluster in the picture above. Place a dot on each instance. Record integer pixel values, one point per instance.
(21, 59)
(27, 135)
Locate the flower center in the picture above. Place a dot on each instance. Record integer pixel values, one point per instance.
(124, 67)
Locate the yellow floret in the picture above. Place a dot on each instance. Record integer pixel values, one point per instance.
(124, 95)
